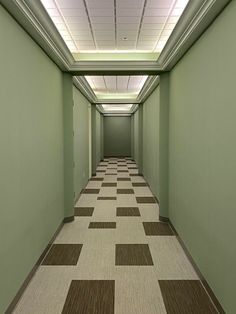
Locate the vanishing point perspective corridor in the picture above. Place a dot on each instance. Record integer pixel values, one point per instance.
(116, 257)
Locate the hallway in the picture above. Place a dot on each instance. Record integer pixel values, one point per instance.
(116, 257)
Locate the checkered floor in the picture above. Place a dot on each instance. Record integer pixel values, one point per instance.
(116, 257)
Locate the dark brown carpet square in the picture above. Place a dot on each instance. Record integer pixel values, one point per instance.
(127, 211)
(186, 296)
(63, 254)
(133, 254)
(157, 229)
(84, 211)
(90, 297)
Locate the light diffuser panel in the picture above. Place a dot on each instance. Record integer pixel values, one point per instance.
(113, 26)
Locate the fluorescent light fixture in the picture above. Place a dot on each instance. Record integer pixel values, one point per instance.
(117, 108)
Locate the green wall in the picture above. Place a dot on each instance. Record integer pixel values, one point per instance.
(99, 134)
(117, 136)
(132, 137)
(31, 159)
(81, 141)
(97, 138)
(138, 135)
(202, 172)
(151, 112)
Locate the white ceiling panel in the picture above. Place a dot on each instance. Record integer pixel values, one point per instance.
(116, 84)
(99, 4)
(101, 12)
(154, 19)
(111, 83)
(128, 19)
(97, 25)
(74, 12)
(129, 4)
(70, 4)
(128, 27)
(159, 3)
(156, 12)
(122, 83)
(102, 19)
(129, 12)
(49, 4)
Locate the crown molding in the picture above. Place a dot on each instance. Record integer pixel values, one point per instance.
(32, 16)
(115, 67)
(151, 83)
(196, 18)
(83, 86)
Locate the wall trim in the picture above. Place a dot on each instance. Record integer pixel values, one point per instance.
(205, 284)
(150, 85)
(68, 219)
(196, 18)
(26, 282)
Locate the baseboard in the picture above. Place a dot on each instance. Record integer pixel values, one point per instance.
(68, 219)
(20, 292)
(205, 284)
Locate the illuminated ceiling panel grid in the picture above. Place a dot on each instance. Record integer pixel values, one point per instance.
(116, 84)
(121, 25)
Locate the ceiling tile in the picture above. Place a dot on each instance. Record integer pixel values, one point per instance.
(110, 83)
(102, 19)
(130, 26)
(74, 12)
(79, 26)
(75, 19)
(152, 25)
(128, 19)
(99, 4)
(154, 19)
(177, 12)
(159, 3)
(156, 12)
(150, 32)
(73, 4)
(53, 12)
(129, 12)
(48, 4)
(57, 19)
(101, 26)
(122, 83)
(101, 12)
(129, 4)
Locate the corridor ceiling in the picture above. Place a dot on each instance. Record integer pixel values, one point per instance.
(116, 86)
(108, 29)
(115, 30)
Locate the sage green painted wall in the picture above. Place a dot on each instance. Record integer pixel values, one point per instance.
(97, 138)
(132, 135)
(117, 136)
(136, 137)
(81, 141)
(68, 145)
(202, 172)
(99, 155)
(31, 158)
(164, 145)
(151, 111)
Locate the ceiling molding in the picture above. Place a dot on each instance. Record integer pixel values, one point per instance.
(197, 16)
(81, 83)
(115, 67)
(151, 83)
(32, 16)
